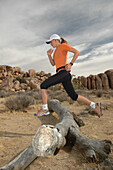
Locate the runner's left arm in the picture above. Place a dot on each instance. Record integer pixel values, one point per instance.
(76, 54)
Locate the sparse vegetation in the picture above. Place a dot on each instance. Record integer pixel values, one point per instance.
(19, 102)
(56, 87)
(4, 94)
(76, 85)
(1, 88)
(99, 93)
(35, 94)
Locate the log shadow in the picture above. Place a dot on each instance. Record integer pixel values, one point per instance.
(88, 111)
(49, 119)
(13, 135)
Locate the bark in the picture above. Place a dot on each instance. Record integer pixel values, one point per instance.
(22, 160)
(93, 150)
(49, 139)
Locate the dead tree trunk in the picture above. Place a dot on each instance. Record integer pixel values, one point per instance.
(93, 150)
(49, 139)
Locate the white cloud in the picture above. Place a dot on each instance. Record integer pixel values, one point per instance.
(102, 60)
(25, 26)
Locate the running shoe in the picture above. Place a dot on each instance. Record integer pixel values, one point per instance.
(98, 109)
(42, 113)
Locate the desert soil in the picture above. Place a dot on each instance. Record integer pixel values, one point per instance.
(18, 128)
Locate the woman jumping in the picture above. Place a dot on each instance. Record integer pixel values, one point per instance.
(62, 75)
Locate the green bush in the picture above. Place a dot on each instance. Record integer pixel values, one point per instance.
(19, 102)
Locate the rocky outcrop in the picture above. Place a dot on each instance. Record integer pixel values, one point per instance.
(32, 72)
(89, 83)
(99, 82)
(105, 82)
(84, 81)
(7, 83)
(14, 79)
(93, 82)
(109, 74)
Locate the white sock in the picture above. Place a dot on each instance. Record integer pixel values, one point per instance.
(92, 105)
(45, 107)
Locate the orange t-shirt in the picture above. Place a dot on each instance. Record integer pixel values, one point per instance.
(60, 54)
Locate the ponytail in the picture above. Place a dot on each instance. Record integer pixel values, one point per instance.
(63, 40)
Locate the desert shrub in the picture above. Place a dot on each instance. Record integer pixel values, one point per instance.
(4, 94)
(19, 102)
(1, 88)
(99, 93)
(111, 94)
(55, 87)
(35, 94)
(76, 85)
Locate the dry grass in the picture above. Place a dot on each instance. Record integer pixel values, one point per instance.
(19, 102)
(4, 94)
(99, 93)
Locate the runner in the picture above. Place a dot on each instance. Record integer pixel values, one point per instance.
(62, 75)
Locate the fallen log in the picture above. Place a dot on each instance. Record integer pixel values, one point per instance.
(93, 150)
(49, 139)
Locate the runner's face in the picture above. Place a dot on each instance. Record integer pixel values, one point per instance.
(53, 43)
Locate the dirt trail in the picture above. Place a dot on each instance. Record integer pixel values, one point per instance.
(18, 128)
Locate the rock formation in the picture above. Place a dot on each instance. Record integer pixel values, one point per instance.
(101, 81)
(14, 79)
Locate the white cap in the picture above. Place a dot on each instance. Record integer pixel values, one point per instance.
(53, 37)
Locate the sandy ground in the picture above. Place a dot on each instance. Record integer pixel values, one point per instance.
(18, 128)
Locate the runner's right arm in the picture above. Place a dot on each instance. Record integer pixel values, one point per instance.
(49, 52)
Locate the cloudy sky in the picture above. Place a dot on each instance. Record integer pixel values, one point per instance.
(87, 25)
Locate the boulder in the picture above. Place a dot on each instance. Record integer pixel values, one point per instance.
(17, 85)
(1, 75)
(93, 85)
(105, 83)
(26, 74)
(17, 69)
(7, 83)
(27, 82)
(98, 83)
(5, 74)
(9, 68)
(84, 81)
(89, 83)
(34, 84)
(42, 73)
(28, 88)
(9, 73)
(12, 90)
(3, 68)
(23, 86)
(32, 72)
(78, 80)
(109, 74)
(48, 75)
(2, 71)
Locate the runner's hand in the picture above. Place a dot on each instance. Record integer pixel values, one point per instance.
(68, 67)
(49, 52)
